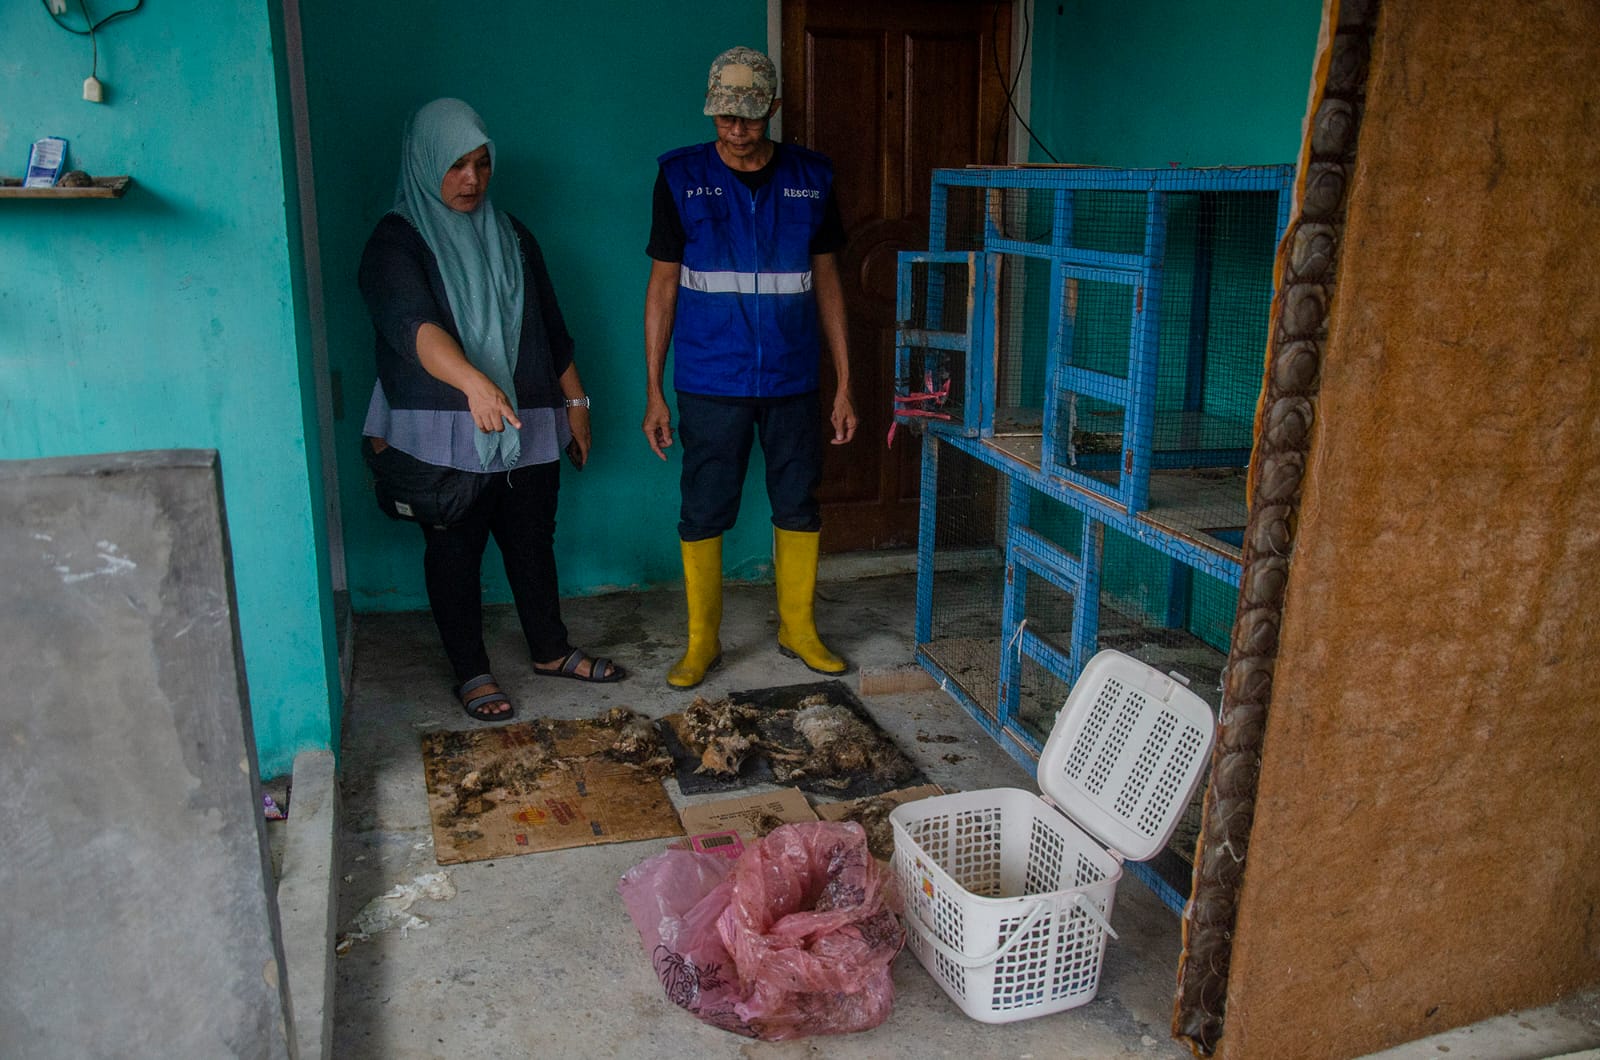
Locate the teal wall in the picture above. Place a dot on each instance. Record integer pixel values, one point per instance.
(580, 99)
(169, 318)
(175, 317)
(1191, 82)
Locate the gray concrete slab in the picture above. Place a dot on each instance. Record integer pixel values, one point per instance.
(308, 898)
(139, 917)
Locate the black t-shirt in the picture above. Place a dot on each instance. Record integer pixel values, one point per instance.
(666, 225)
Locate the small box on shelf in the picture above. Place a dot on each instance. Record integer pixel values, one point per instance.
(96, 188)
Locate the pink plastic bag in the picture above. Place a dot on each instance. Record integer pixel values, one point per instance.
(795, 938)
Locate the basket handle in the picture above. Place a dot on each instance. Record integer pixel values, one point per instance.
(955, 956)
(1081, 900)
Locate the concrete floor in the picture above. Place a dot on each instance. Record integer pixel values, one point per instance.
(535, 956)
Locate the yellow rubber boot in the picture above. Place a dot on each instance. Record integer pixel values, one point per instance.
(702, 584)
(794, 559)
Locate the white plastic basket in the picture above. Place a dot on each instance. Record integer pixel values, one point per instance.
(1008, 898)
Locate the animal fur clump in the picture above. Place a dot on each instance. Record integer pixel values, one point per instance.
(722, 732)
(638, 741)
(841, 748)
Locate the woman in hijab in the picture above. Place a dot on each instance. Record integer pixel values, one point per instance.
(475, 373)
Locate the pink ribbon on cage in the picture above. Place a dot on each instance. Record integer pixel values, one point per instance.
(938, 397)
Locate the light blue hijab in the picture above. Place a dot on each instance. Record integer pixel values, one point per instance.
(477, 252)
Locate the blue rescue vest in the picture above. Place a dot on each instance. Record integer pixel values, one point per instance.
(746, 322)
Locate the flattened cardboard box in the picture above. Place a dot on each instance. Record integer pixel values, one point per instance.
(752, 816)
(839, 811)
(727, 826)
(538, 785)
(872, 814)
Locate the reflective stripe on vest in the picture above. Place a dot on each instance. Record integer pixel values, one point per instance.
(745, 282)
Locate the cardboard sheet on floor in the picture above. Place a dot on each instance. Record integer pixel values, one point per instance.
(537, 785)
(872, 814)
(782, 755)
(727, 826)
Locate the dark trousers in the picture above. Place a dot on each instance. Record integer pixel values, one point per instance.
(519, 509)
(716, 436)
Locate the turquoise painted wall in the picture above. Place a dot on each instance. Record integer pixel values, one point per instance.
(169, 318)
(1190, 82)
(580, 99)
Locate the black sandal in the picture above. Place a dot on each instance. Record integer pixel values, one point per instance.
(476, 706)
(601, 670)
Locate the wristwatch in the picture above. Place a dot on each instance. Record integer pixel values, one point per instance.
(578, 403)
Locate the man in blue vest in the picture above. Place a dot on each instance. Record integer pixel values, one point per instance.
(744, 284)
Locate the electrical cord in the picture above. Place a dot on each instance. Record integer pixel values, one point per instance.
(93, 91)
(92, 26)
(1009, 88)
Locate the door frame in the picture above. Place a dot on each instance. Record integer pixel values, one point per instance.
(1017, 139)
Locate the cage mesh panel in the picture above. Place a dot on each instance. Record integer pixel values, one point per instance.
(1142, 590)
(964, 219)
(939, 292)
(968, 582)
(1099, 317)
(1216, 296)
(1048, 612)
(939, 302)
(1088, 438)
(1023, 337)
(1056, 523)
(1113, 222)
(1040, 698)
(1211, 341)
(1212, 603)
(1026, 214)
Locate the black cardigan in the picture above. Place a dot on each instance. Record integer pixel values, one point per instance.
(403, 289)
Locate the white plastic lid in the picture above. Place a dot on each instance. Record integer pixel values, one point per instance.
(1126, 753)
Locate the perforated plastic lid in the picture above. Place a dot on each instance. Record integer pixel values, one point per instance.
(1126, 753)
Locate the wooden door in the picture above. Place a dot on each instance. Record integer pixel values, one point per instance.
(890, 90)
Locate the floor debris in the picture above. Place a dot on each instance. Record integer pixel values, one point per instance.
(393, 908)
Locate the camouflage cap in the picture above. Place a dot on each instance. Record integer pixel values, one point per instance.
(742, 83)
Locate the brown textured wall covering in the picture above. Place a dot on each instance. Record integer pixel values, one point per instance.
(1426, 844)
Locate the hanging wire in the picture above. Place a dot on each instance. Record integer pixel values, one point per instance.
(91, 28)
(1008, 81)
(94, 41)
(91, 25)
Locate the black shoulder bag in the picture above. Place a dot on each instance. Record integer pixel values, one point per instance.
(419, 492)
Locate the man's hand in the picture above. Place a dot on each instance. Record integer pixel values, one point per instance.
(844, 418)
(660, 308)
(658, 425)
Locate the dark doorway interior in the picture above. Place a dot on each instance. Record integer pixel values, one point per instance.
(890, 90)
